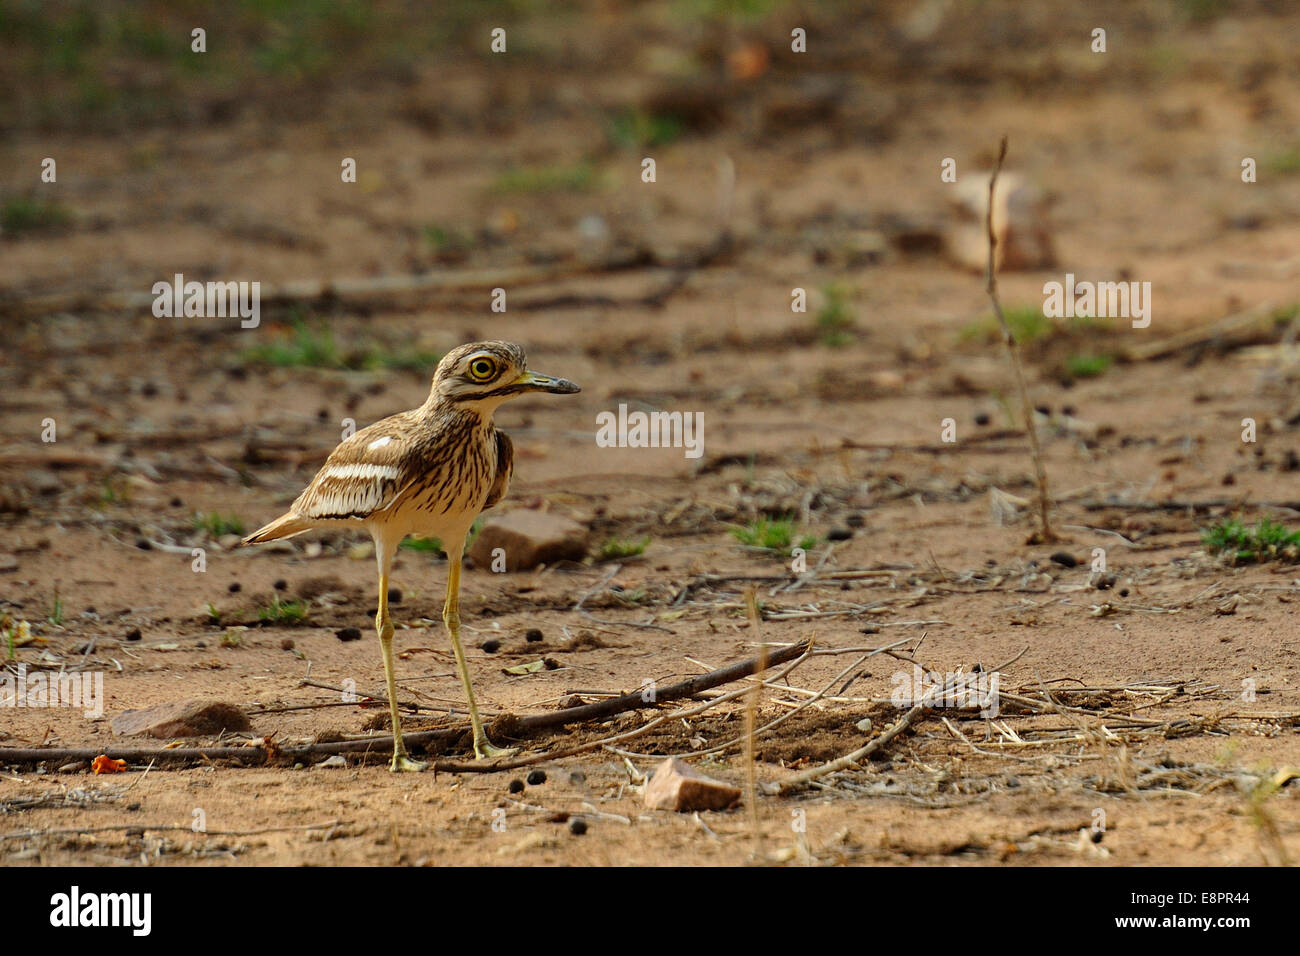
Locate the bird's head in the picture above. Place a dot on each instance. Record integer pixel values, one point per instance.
(482, 375)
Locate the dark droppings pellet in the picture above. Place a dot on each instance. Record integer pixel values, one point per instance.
(577, 826)
(491, 647)
(536, 777)
(348, 634)
(533, 635)
(516, 786)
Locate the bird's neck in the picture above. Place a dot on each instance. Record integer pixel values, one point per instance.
(472, 414)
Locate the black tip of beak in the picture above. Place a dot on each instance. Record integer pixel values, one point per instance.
(548, 383)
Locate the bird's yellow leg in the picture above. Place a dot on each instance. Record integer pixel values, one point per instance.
(451, 617)
(401, 759)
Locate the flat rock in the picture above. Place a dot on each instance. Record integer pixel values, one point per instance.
(529, 538)
(676, 785)
(181, 718)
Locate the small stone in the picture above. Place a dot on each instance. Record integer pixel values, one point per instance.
(529, 538)
(516, 786)
(536, 778)
(678, 786)
(195, 717)
(532, 635)
(490, 647)
(1065, 559)
(577, 826)
(335, 762)
(348, 634)
(864, 725)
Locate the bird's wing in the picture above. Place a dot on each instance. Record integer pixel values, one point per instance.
(364, 474)
(505, 467)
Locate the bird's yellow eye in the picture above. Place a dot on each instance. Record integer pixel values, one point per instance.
(482, 369)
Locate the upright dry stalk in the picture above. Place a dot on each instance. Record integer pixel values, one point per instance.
(1045, 532)
(751, 721)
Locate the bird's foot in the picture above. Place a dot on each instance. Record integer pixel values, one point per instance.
(483, 750)
(402, 763)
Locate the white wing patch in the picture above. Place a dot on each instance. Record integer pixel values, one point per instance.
(363, 471)
(379, 443)
(349, 491)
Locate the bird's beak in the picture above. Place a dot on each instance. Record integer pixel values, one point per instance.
(537, 382)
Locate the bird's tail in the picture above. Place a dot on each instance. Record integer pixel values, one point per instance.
(285, 526)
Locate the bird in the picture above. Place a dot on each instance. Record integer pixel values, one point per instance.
(429, 471)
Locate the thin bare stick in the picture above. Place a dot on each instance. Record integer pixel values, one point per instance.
(751, 718)
(1013, 350)
(160, 828)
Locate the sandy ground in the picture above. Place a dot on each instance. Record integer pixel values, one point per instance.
(162, 419)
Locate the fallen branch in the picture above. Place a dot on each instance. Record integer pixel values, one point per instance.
(256, 755)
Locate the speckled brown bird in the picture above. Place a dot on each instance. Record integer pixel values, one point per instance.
(429, 471)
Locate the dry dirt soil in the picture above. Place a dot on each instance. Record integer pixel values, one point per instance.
(1140, 712)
